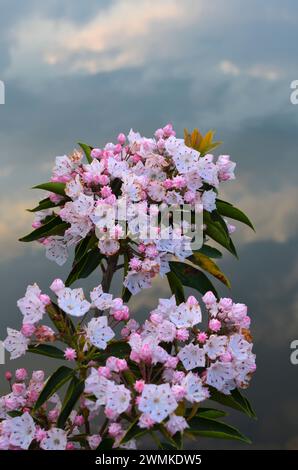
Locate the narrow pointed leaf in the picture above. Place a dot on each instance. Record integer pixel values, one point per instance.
(57, 188)
(192, 277)
(209, 251)
(206, 427)
(59, 378)
(227, 210)
(46, 350)
(216, 230)
(43, 205)
(54, 226)
(176, 287)
(74, 392)
(87, 151)
(210, 266)
(85, 266)
(236, 401)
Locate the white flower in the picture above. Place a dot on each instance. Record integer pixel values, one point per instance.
(215, 346)
(208, 171)
(98, 386)
(195, 390)
(83, 206)
(99, 333)
(118, 398)
(56, 250)
(74, 188)
(219, 374)
(176, 424)
(31, 306)
(156, 191)
(185, 316)
(63, 166)
(108, 246)
(192, 356)
(135, 282)
(186, 159)
(73, 301)
(22, 431)
(166, 331)
(208, 200)
(101, 300)
(165, 307)
(157, 401)
(55, 440)
(15, 343)
(239, 347)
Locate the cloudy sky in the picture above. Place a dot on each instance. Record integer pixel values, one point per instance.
(86, 71)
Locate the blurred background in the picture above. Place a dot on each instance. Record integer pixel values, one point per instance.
(85, 71)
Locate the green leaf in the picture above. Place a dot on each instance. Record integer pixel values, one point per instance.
(192, 277)
(176, 287)
(217, 230)
(59, 378)
(43, 205)
(210, 266)
(133, 432)
(75, 390)
(120, 349)
(54, 226)
(211, 413)
(227, 210)
(206, 427)
(209, 251)
(236, 401)
(46, 350)
(106, 444)
(57, 188)
(87, 151)
(85, 266)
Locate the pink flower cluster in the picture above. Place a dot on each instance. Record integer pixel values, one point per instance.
(136, 173)
(168, 361)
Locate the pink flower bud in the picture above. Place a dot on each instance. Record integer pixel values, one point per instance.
(57, 285)
(21, 374)
(209, 298)
(70, 446)
(8, 375)
(122, 365)
(28, 330)
(115, 430)
(104, 372)
(79, 420)
(70, 354)
(214, 325)
(121, 138)
(38, 376)
(202, 337)
(45, 299)
(182, 334)
(19, 389)
(96, 153)
(139, 386)
(179, 392)
(192, 301)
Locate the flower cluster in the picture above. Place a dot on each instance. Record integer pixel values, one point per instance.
(136, 174)
(140, 378)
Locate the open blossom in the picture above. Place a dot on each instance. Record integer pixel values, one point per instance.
(176, 424)
(73, 301)
(195, 391)
(33, 305)
(215, 346)
(186, 316)
(101, 300)
(157, 401)
(15, 343)
(118, 398)
(192, 356)
(99, 333)
(21, 431)
(55, 440)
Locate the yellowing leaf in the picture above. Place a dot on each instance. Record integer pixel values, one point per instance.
(197, 141)
(210, 266)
